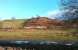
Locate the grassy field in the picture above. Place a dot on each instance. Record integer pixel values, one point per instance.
(33, 34)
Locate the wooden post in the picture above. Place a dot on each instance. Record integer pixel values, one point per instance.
(5, 48)
(18, 48)
(1, 48)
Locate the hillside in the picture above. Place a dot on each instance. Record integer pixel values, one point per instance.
(17, 23)
(13, 33)
(42, 23)
(39, 22)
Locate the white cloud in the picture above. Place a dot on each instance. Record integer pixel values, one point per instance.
(56, 13)
(53, 13)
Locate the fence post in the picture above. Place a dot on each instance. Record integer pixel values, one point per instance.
(5, 48)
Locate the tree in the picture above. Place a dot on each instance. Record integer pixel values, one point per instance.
(71, 16)
(13, 18)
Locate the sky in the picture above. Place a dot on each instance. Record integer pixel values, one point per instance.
(27, 8)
